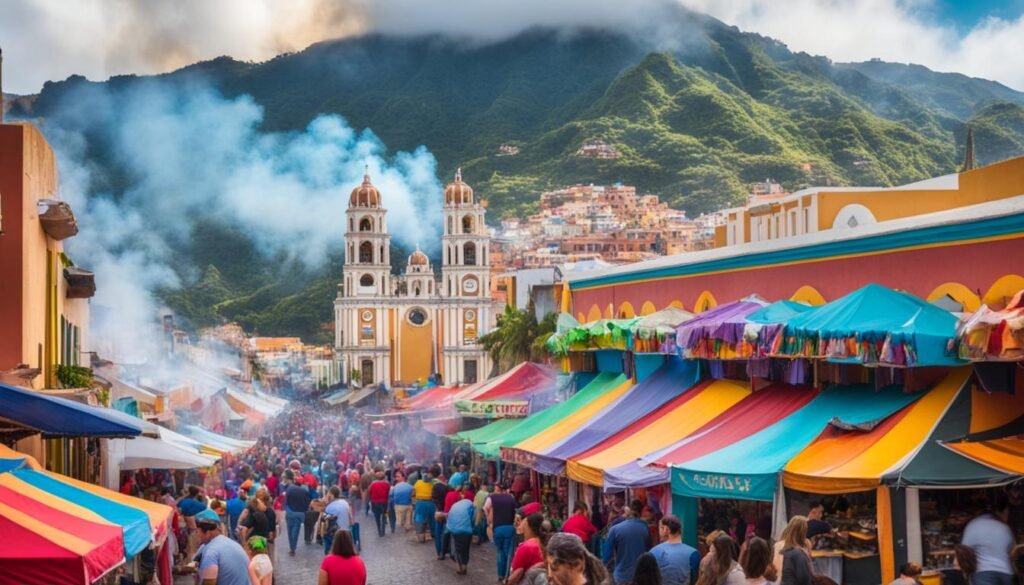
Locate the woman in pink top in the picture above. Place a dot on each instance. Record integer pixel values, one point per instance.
(342, 566)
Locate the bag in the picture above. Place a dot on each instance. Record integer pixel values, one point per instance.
(328, 524)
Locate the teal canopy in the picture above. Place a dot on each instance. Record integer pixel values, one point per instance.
(778, 312)
(873, 325)
(748, 469)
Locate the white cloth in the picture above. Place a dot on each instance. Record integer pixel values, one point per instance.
(262, 565)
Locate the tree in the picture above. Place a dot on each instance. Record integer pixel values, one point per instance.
(518, 337)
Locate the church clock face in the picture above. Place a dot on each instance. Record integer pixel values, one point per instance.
(367, 316)
(470, 285)
(417, 316)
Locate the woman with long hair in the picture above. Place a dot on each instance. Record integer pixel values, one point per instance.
(531, 551)
(796, 523)
(647, 570)
(569, 562)
(756, 561)
(722, 568)
(966, 561)
(343, 566)
(796, 557)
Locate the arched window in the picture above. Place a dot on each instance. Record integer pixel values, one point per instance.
(382, 259)
(450, 224)
(366, 253)
(469, 254)
(366, 280)
(366, 224)
(416, 290)
(467, 224)
(351, 224)
(449, 255)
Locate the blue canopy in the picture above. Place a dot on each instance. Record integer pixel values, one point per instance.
(31, 412)
(748, 469)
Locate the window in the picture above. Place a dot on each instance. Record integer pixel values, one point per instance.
(470, 373)
(366, 280)
(469, 254)
(366, 225)
(450, 225)
(366, 253)
(467, 224)
(417, 316)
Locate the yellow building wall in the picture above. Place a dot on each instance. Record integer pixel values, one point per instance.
(414, 348)
(990, 183)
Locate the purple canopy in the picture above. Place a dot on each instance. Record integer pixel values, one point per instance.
(725, 322)
(671, 380)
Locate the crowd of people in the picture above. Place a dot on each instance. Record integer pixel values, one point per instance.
(326, 479)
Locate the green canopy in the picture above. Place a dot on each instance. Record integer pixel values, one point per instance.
(534, 424)
(487, 432)
(873, 325)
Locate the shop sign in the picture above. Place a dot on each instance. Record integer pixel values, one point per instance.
(701, 484)
(518, 457)
(493, 408)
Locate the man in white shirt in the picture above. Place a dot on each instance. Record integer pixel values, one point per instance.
(992, 540)
(339, 508)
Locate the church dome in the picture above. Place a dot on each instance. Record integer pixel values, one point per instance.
(418, 258)
(365, 195)
(457, 192)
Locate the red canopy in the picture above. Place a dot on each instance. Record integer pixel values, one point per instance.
(47, 546)
(437, 397)
(524, 379)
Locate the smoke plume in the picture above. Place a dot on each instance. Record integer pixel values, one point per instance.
(187, 152)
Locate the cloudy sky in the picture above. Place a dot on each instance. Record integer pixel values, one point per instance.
(51, 39)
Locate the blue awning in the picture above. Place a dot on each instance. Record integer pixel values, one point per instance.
(24, 413)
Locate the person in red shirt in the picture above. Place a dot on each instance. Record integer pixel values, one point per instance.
(342, 566)
(531, 552)
(379, 490)
(579, 524)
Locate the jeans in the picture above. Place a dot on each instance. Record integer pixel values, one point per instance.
(380, 519)
(480, 531)
(440, 537)
(294, 521)
(991, 578)
(504, 537)
(391, 516)
(328, 542)
(310, 525)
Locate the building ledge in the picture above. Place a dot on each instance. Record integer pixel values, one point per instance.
(57, 219)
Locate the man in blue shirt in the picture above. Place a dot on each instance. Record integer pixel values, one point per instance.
(296, 504)
(190, 505)
(626, 541)
(679, 562)
(402, 494)
(235, 506)
(223, 561)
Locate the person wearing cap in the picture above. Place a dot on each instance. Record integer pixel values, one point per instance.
(222, 560)
(261, 569)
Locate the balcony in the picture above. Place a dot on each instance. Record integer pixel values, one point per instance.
(57, 219)
(81, 283)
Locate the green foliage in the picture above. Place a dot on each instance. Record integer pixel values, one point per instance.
(695, 125)
(73, 376)
(518, 337)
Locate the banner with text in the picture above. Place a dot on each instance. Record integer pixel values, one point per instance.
(493, 408)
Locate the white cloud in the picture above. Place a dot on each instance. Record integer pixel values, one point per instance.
(51, 39)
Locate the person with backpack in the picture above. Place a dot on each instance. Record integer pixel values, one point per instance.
(337, 515)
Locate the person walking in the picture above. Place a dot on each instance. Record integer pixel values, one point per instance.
(480, 519)
(261, 568)
(337, 515)
(224, 561)
(570, 563)
(992, 541)
(343, 566)
(460, 526)
(425, 509)
(579, 523)
(379, 491)
(296, 502)
(756, 562)
(234, 507)
(531, 552)
(647, 571)
(500, 511)
(796, 558)
(438, 494)
(402, 494)
(722, 567)
(678, 562)
(626, 541)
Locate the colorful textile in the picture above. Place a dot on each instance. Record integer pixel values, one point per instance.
(664, 426)
(748, 416)
(1006, 455)
(873, 325)
(748, 469)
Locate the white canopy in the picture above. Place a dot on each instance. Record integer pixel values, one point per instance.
(146, 453)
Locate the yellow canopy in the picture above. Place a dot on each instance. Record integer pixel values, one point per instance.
(842, 462)
(654, 433)
(566, 426)
(1006, 455)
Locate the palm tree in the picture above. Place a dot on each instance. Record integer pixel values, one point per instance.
(518, 337)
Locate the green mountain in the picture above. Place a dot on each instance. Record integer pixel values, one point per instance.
(695, 124)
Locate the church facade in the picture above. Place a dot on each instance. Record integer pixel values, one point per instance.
(400, 329)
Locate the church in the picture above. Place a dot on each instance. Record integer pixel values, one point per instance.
(401, 329)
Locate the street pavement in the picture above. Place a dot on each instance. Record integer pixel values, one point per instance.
(393, 560)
